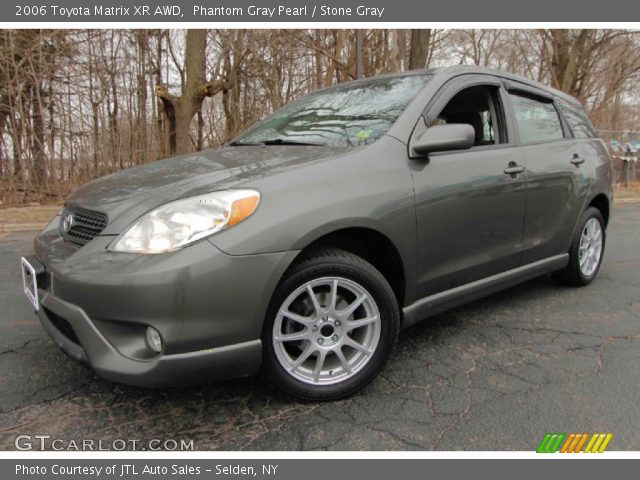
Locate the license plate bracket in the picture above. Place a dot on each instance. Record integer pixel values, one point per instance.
(30, 283)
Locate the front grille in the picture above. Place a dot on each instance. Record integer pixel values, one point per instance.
(63, 326)
(79, 225)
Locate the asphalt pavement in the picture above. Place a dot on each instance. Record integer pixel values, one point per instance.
(496, 374)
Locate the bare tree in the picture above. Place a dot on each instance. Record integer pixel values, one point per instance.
(76, 104)
(419, 52)
(180, 110)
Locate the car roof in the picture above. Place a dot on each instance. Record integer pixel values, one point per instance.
(451, 72)
(462, 69)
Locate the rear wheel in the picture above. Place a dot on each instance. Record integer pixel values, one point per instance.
(331, 326)
(587, 248)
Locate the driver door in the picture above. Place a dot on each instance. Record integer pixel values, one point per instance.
(470, 212)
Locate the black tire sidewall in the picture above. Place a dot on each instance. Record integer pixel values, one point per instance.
(373, 282)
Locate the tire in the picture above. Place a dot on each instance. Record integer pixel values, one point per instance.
(574, 274)
(326, 325)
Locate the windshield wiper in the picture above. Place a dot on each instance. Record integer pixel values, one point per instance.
(284, 141)
(246, 144)
(276, 141)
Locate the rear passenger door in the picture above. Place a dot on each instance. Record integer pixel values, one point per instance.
(557, 185)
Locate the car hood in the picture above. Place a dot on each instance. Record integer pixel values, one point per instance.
(126, 195)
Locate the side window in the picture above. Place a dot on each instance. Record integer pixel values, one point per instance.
(479, 107)
(537, 120)
(578, 121)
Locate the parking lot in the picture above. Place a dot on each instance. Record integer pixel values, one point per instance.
(493, 375)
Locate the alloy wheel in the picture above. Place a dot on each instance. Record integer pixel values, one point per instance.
(590, 247)
(326, 330)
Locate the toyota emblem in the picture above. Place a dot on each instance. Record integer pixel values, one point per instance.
(67, 223)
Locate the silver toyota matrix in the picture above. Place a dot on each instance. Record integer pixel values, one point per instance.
(301, 248)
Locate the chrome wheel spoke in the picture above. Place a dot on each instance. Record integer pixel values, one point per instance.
(358, 346)
(322, 355)
(343, 360)
(584, 243)
(353, 307)
(292, 337)
(353, 324)
(297, 318)
(584, 259)
(306, 353)
(597, 239)
(334, 296)
(314, 300)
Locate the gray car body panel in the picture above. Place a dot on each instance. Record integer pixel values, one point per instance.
(461, 226)
(126, 195)
(99, 352)
(190, 296)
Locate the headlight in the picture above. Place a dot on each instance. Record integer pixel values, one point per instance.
(185, 221)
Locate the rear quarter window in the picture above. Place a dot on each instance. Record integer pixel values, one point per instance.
(578, 121)
(537, 120)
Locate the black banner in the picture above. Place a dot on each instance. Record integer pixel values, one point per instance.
(367, 12)
(315, 469)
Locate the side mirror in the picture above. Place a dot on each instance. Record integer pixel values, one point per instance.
(440, 138)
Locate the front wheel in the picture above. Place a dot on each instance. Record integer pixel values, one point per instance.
(587, 248)
(331, 326)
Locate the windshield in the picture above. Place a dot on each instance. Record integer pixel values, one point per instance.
(350, 115)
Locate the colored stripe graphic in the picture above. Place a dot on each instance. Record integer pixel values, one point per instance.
(590, 444)
(574, 442)
(568, 444)
(551, 443)
(605, 442)
(581, 443)
(598, 442)
(596, 446)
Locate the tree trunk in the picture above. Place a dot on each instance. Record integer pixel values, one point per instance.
(419, 49)
(318, 59)
(568, 54)
(181, 110)
(402, 49)
(184, 114)
(143, 48)
(37, 119)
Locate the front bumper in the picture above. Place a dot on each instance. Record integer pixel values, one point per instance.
(208, 306)
(94, 349)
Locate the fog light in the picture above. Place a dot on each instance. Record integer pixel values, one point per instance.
(154, 340)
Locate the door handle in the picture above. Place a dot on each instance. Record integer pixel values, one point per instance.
(513, 169)
(577, 160)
